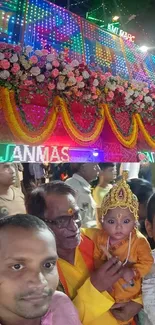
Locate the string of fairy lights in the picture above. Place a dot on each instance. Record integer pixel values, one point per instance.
(124, 9)
(74, 4)
(95, 10)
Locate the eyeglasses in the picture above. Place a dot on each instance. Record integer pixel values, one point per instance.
(64, 221)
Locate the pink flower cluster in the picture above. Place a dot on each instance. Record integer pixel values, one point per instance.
(52, 75)
(9, 64)
(134, 97)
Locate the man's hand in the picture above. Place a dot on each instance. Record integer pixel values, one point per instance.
(108, 274)
(126, 311)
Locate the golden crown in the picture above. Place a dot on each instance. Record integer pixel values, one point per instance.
(120, 196)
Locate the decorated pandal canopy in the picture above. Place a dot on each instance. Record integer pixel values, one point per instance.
(70, 84)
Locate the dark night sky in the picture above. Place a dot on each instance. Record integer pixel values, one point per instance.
(143, 27)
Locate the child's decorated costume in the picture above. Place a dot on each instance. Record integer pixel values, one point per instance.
(133, 251)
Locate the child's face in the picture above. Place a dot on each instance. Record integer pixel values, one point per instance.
(118, 223)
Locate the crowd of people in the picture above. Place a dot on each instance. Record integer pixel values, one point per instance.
(75, 245)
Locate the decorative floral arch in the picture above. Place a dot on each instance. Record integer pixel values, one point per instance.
(61, 84)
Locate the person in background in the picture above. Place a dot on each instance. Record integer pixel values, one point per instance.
(148, 286)
(145, 171)
(19, 174)
(29, 276)
(106, 177)
(56, 204)
(60, 171)
(27, 179)
(143, 190)
(11, 198)
(83, 174)
(37, 172)
(118, 166)
(132, 169)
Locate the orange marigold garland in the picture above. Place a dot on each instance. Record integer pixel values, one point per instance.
(148, 138)
(130, 140)
(18, 129)
(70, 81)
(89, 137)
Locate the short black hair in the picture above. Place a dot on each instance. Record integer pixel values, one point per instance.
(25, 221)
(141, 188)
(104, 166)
(75, 167)
(35, 201)
(151, 208)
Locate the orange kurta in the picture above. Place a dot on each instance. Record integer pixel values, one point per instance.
(140, 259)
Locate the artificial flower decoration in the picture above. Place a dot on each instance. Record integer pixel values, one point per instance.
(44, 73)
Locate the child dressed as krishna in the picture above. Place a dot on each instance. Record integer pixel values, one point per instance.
(120, 237)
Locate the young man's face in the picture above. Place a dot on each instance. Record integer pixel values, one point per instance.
(109, 174)
(7, 174)
(28, 273)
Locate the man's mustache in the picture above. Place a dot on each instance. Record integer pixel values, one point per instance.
(31, 293)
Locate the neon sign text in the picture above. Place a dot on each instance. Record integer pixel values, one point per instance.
(25, 153)
(146, 156)
(119, 32)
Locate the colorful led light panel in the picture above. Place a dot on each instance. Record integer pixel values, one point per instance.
(104, 50)
(12, 20)
(48, 25)
(42, 24)
(140, 65)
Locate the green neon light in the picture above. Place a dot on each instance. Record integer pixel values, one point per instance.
(148, 156)
(116, 23)
(95, 19)
(6, 152)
